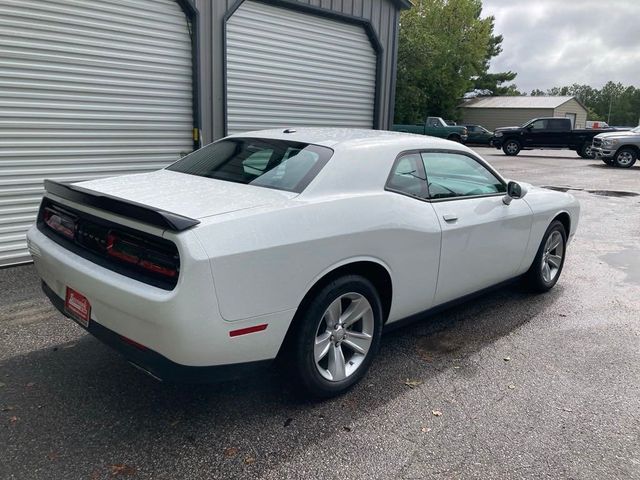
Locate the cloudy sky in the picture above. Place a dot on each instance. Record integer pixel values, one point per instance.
(559, 42)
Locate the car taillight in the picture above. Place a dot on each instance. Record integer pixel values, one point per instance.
(60, 222)
(141, 254)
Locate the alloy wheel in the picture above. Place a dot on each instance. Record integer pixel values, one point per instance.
(552, 256)
(624, 158)
(344, 336)
(512, 147)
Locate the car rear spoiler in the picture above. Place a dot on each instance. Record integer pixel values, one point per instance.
(144, 213)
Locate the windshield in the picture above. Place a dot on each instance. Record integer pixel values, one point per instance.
(262, 162)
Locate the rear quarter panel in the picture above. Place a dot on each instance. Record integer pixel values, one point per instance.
(266, 261)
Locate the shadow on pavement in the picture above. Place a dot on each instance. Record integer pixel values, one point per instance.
(91, 409)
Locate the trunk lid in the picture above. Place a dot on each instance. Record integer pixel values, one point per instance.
(184, 194)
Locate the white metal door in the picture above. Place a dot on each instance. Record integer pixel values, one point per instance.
(572, 117)
(483, 243)
(87, 89)
(290, 68)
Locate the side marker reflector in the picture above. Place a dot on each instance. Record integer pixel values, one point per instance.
(244, 331)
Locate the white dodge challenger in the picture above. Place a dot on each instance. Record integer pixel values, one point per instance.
(303, 244)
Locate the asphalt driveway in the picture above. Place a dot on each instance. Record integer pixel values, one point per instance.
(510, 385)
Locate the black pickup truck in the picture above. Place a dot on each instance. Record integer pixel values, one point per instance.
(552, 132)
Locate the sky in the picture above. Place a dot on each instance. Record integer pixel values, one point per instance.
(560, 42)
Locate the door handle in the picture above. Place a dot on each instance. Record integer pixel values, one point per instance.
(450, 217)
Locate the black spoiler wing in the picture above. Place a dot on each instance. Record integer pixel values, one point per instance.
(137, 211)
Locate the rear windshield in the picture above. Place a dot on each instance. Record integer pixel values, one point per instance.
(278, 164)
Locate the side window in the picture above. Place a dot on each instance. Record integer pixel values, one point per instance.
(558, 124)
(452, 175)
(407, 176)
(539, 125)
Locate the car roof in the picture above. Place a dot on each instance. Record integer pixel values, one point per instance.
(334, 137)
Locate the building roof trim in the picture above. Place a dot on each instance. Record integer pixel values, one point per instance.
(520, 102)
(403, 4)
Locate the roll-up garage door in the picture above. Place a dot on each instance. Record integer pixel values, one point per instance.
(87, 89)
(291, 68)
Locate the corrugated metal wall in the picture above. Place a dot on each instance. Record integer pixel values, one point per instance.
(87, 89)
(289, 68)
(492, 118)
(382, 14)
(572, 106)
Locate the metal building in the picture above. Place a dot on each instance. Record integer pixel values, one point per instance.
(102, 88)
(495, 112)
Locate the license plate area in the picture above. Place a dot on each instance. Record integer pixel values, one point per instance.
(77, 307)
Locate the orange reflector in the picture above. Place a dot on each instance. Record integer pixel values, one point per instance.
(244, 331)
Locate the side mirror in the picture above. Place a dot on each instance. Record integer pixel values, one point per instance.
(514, 191)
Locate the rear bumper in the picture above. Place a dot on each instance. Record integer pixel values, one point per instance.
(179, 328)
(156, 365)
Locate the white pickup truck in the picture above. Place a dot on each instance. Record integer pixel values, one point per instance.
(620, 149)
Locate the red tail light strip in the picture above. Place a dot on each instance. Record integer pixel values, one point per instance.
(244, 331)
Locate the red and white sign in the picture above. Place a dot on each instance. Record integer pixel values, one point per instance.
(78, 307)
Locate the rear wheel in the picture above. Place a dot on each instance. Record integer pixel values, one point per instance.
(625, 158)
(336, 337)
(511, 147)
(547, 266)
(455, 138)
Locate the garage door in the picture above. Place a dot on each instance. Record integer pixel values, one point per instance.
(292, 68)
(87, 89)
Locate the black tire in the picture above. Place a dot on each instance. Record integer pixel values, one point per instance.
(534, 278)
(586, 151)
(301, 360)
(607, 161)
(625, 158)
(455, 138)
(511, 147)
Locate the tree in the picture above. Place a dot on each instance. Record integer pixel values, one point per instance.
(615, 103)
(444, 48)
(494, 81)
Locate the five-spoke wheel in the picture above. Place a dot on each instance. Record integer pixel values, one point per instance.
(547, 266)
(552, 256)
(336, 336)
(344, 336)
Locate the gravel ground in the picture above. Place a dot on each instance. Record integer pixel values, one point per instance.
(510, 385)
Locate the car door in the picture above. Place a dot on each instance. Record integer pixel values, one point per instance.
(483, 239)
(473, 135)
(537, 134)
(559, 135)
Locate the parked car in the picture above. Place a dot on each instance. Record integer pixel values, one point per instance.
(479, 135)
(435, 127)
(552, 132)
(597, 124)
(301, 245)
(620, 149)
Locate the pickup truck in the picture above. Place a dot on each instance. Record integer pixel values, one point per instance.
(552, 132)
(620, 149)
(435, 127)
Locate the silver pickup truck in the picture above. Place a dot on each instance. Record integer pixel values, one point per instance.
(620, 149)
